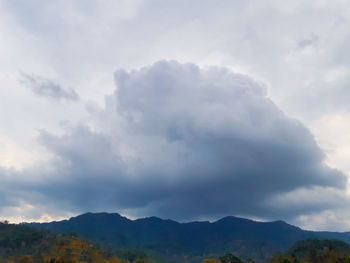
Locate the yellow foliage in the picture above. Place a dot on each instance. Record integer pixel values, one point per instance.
(141, 261)
(26, 259)
(114, 260)
(67, 250)
(210, 260)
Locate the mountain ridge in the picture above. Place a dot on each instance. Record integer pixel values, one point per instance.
(172, 239)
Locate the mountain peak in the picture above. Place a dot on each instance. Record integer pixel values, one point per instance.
(99, 216)
(234, 219)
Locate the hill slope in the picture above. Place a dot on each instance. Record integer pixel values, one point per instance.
(19, 244)
(245, 238)
(315, 251)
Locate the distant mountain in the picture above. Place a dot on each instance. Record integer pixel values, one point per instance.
(178, 241)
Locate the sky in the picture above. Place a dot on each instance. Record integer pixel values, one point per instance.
(190, 110)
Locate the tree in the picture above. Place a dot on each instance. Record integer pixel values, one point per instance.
(210, 260)
(26, 259)
(312, 255)
(230, 258)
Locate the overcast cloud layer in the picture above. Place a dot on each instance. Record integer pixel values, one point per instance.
(174, 139)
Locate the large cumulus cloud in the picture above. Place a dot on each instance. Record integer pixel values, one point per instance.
(175, 140)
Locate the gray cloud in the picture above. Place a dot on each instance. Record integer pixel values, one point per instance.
(48, 88)
(309, 41)
(178, 141)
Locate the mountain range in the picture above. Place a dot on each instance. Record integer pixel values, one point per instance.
(184, 241)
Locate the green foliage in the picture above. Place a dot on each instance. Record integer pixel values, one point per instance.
(17, 236)
(315, 251)
(311, 248)
(230, 258)
(130, 255)
(22, 244)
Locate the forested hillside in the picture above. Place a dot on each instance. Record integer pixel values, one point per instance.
(22, 244)
(186, 241)
(315, 251)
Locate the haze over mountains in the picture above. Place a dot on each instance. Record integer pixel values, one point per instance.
(243, 237)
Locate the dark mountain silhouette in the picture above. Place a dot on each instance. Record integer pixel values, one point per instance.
(242, 237)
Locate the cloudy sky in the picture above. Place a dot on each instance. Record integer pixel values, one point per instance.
(181, 109)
